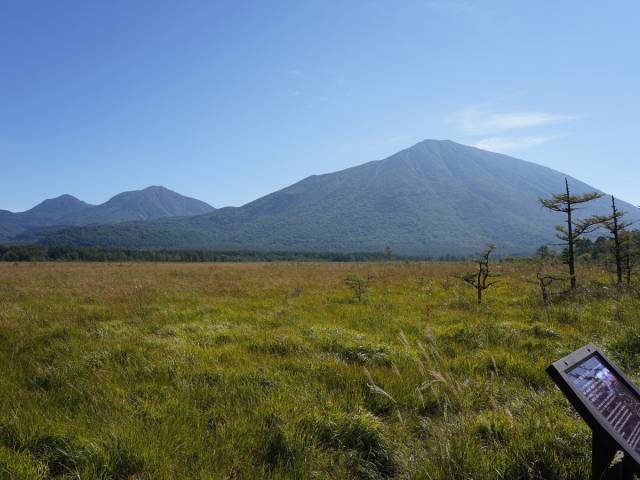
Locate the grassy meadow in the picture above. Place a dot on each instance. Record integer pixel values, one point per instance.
(278, 370)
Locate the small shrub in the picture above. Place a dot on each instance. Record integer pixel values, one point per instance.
(359, 286)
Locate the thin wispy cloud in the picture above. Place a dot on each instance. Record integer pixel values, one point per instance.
(502, 130)
(478, 121)
(510, 144)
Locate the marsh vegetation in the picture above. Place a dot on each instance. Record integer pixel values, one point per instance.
(284, 371)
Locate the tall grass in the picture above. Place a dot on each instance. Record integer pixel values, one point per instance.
(274, 371)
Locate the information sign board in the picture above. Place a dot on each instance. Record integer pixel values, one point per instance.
(608, 402)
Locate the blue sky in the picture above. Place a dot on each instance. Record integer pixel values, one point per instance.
(228, 101)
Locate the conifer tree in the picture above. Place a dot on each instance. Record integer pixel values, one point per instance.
(619, 240)
(573, 229)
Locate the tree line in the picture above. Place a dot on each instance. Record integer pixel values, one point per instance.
(621, 244)
(26, 253)
(590, 250)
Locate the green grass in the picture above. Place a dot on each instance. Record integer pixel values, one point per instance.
(233, 371)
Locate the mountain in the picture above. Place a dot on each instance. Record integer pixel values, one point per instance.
(148, 204)
(9, 225)
(435, 198)
(47, 213)
(51, 211)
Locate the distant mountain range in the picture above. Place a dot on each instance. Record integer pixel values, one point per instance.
(435, 198)
(66, 210)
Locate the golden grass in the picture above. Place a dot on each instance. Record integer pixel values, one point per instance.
(275, 370)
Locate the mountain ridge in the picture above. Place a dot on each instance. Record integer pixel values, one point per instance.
(436, 197)
(149, 203)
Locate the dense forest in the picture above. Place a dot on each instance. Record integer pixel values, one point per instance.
(26, 253)
(586, 249)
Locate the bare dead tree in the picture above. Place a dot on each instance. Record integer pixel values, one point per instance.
(567, 203)
(545, 277)
(616, 227)
(359, 286)
(481, 280)
(545, 280)
(630, 253)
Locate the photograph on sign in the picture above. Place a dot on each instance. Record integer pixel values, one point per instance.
(617, 404)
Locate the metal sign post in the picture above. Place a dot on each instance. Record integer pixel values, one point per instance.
(609, 403)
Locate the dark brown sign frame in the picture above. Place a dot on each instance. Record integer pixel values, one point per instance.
(606, 440)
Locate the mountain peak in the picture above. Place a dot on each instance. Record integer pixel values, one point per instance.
(434, 147)
(437, 197)
(58, 206)
(60, 199)
(442, 145)
(64, 198)
(151, 189)
(435, 141)
(150, 203)
(157, 188)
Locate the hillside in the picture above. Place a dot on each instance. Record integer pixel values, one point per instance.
(49, 212)
(54, 210)
(435, 198)
(148, 204)
(66, 210)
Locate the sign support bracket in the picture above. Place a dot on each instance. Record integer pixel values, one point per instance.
(602, 454)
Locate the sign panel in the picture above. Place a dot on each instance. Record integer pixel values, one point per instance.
(612, 399)
(607, 401)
